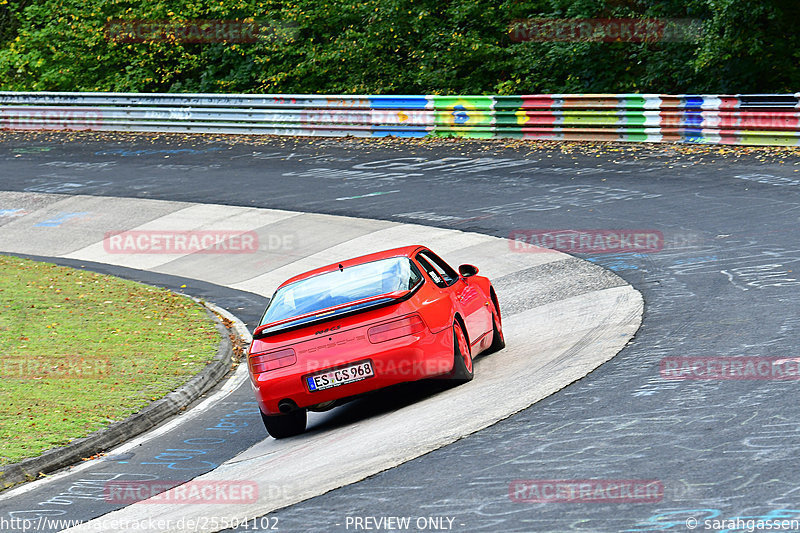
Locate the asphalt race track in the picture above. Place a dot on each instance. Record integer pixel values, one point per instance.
(563, 317)
(723, 285)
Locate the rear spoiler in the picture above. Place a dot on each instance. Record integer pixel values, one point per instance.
(337, 311)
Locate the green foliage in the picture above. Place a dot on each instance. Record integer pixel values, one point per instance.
(9, 19)
(397, 46)
(751, 44)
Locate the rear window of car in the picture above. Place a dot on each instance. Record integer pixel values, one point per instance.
(342, 287)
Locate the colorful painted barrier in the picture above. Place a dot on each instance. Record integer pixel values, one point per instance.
(756, 119)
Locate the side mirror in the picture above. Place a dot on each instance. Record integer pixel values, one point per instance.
(467, 270)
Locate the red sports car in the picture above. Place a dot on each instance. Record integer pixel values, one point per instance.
(367, 323)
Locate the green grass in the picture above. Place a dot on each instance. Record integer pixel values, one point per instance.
(80, 350)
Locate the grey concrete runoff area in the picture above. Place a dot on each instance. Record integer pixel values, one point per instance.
(582, 317)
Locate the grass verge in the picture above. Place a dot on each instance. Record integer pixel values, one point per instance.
(80, 350)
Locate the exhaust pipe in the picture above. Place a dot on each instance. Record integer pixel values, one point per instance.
(287, 406)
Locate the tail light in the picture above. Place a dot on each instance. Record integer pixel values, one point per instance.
(396, 329)
(264, 362)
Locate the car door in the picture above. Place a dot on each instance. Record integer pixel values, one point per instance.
(467, 298)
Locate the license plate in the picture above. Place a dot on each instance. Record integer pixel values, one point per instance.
(340, 376)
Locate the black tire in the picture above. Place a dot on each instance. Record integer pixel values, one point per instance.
(498, 339)
(287, 425)
(461, 373)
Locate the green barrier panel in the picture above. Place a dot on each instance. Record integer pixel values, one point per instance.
(463, 112)
(465, 132)
(589, 118)
(456, 111)
(641, 101)
(634, 119)
(769, 138)
(510, 118)
(485, 103)
(636, 135)
(508, 103)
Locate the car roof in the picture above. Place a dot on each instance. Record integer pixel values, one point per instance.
(405, 251)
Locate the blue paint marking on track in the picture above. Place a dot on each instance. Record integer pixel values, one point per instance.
(11, 213)
(59, 219)
(615, 263)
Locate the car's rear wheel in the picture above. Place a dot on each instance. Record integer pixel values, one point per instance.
(285, 425)
(462, 358)
(498, 340)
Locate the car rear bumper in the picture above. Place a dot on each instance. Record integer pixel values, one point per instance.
(400, 360)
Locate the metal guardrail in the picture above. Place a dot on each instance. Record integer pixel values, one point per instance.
(757, 119)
